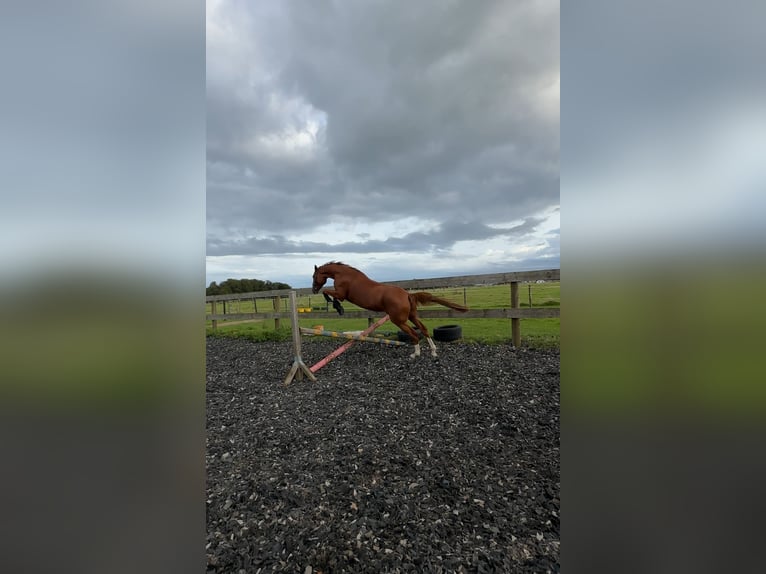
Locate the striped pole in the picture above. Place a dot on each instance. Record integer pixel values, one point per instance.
(345, 346)
(350, 336)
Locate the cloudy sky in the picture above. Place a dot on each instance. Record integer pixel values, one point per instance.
(409, 139)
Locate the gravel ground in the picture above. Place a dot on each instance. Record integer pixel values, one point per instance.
(385, 464)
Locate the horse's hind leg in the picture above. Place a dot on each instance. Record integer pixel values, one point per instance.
(423, 329)
(411, 332)
(432, 345)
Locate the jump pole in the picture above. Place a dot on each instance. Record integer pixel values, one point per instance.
(340, 335)
(344, 347)
(299, 367)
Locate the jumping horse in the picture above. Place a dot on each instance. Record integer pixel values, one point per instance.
(354, 286)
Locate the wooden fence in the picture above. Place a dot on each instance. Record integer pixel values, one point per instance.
(278, 310)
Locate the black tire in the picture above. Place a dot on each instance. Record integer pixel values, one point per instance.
(447, 333)
(405, 338)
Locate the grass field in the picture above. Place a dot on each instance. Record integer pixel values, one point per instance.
(534, 332)
(478, 297)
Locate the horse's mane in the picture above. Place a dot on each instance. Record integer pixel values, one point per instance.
(341, 263)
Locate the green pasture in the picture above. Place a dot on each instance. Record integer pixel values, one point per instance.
(534, 332)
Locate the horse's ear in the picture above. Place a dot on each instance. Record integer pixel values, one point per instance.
(315, 268)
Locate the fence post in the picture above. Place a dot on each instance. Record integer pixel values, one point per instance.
(515, 321)
(276, 310)
(212, 312)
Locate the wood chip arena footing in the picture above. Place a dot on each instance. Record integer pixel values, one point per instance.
(385, 464)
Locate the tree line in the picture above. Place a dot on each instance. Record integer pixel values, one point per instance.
(243, 286)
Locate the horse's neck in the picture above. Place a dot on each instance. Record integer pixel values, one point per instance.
(334, 271)
(348, 272)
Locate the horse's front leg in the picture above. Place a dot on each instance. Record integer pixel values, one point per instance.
(335, 298)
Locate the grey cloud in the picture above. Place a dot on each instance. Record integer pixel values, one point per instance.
(427, 108)
(444, 236)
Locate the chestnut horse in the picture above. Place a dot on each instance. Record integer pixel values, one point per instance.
(354, 286)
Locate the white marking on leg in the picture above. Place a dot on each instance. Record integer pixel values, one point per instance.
(417, 351)
(432, 345)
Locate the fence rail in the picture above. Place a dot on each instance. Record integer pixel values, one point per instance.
(515, 313)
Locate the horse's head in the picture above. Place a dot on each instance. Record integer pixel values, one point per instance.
(319, 280)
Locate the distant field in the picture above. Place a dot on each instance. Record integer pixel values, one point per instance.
(534, 332)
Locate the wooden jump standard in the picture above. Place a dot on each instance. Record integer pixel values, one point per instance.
(299, 367)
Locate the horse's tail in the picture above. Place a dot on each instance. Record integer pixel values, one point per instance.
(426, 298)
